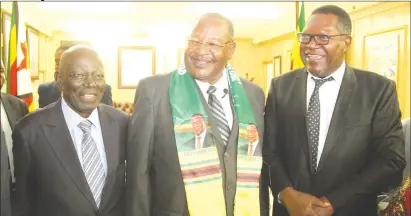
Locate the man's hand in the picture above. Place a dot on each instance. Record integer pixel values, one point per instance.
(299, 203)
(327, 211)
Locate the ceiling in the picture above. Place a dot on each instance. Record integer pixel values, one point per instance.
(256, 20)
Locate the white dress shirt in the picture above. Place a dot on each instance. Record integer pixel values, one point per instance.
(72, 120)
(224, 98)
(328, 94)
(5, 125)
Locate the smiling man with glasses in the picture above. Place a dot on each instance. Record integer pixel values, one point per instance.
(333, 135)
(218, 177)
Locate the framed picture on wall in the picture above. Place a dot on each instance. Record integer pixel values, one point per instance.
(180, 56)
(382, 52)
(5, 36)
(134, 64)
(277, 66)
(33, 41)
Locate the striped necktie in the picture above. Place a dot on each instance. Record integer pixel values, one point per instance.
(218, 113)
(92, 165)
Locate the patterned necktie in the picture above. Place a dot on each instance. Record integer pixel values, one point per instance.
(92, 165)
(218, 113)
(313, 119)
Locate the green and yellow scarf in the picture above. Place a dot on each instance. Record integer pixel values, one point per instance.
(200, 167)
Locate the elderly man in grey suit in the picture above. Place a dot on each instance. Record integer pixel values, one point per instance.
(70, 156)
(163, 178)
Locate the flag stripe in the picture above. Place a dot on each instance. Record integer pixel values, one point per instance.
(296, 61)
(18, 74)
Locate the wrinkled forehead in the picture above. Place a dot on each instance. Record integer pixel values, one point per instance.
(321, 23)
(85, 59)
(211, 28)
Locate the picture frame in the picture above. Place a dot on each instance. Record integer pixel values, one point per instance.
(33, 42)
(180, 56)
(382, 51)
(134, 64)
(268, 68)
(288, 59)
(277, 66)
(5, 31)
(43, 43)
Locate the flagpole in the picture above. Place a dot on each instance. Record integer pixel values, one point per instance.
(297, 12)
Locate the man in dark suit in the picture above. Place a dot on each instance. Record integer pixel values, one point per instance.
(154, 177)
(70, 155)
(12, 110)
(49, 92)
(333, 137)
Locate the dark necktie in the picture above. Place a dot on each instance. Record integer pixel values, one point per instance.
(313, 119)
(218, 113)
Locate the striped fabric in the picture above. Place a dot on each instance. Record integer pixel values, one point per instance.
(218, 113)
(92, 165)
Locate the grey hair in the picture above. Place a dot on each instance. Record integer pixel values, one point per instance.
(221, 17)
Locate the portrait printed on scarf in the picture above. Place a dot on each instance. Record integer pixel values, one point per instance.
(198, 137)
(250, 141)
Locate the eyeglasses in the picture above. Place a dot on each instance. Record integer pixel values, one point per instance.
(320, 39)
(211, 46)
(83, 77)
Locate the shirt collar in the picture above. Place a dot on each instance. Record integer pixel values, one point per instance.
(337, 75)
(73, 119)
(221, 84)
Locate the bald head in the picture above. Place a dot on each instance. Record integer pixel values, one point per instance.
(75, 52)
(218, 18)
(82, 79)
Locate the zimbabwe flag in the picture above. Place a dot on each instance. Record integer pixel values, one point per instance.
(295, 55)
(18, 74)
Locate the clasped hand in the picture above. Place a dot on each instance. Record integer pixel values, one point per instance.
(303, 204)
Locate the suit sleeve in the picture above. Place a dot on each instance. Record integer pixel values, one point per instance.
(274, 168)
(23, 197)
(139, 153)
(107, 99)
(386, 160)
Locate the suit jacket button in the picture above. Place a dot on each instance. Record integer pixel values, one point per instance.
(230, 187)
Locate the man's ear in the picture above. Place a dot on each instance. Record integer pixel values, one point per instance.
(347, 43)
(232, 46)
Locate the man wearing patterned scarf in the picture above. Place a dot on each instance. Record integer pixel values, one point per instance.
(164, 177)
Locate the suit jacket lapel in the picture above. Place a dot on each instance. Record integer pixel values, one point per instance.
(342, 104)
(58, 136)
(110, 131)
(300, 103)
(232, 140)
(11, 113)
